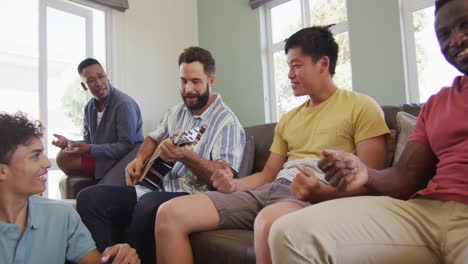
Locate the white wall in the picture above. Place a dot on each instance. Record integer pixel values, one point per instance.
(147, 41)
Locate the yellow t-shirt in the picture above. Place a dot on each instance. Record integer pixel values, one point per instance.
(340, 122)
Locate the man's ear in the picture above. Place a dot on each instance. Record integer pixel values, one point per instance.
(84, 86)
(211, 80)
(3, 172)
(324, 63)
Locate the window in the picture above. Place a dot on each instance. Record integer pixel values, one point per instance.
(279, 20)
(427, 69)
(38, 68)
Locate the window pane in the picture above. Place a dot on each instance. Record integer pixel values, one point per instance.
(285, 20)
(343, 77)
(326, 12)
(434, 71)
(19, 61)
(285, 99)
(66, 47)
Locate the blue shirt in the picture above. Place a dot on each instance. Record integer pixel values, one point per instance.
(54, 233)
(119, 130)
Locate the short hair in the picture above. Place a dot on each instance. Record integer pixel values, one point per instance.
(203, 56)
(85, 63)
(439, 4)
(316, 41)
(16, 129)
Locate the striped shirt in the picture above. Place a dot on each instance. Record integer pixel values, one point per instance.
(224, 139)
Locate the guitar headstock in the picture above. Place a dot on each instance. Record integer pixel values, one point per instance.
(189, 137)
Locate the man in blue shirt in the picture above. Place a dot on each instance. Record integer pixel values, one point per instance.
(34, 229)
(112, 126)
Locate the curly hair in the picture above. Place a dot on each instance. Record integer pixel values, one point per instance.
(203, 56)
(316, 41)
(16, 129)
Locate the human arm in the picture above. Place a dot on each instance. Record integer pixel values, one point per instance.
(415, 167)
(306, 186)
(224, 181)
(220, 142)
(122, 254)
(133, 170)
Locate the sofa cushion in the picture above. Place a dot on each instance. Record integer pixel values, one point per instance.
(248, 158)
(405, 127)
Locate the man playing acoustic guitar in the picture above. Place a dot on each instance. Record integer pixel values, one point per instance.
(118, 213)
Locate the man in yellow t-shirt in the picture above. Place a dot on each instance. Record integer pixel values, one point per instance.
(331, 118)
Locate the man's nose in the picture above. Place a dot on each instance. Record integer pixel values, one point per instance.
(188, 87)
(291, 74)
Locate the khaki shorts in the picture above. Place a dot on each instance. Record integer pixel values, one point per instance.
(238, 210)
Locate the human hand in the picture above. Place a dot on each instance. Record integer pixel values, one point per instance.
(122, 253)
(61, 142)
(223, 179)
(133, 172)
(343, 170)
(305, 184)
(170, 152)
(77, 148)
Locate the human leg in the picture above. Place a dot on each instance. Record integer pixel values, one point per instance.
(180, 217)
(69, 164)
(262, 226)
(140, 232)
(359, 230)
(176, 220)
(455, 245)
(106, 211)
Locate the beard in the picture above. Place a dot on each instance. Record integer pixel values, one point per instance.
(202, 99)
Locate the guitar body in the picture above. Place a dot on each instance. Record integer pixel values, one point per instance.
(156, 168)
(154, 176)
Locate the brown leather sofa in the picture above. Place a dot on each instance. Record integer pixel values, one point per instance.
(223, 246)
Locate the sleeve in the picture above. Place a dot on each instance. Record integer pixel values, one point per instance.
(162, 131)
(229, 145)
(127, 125)
(419, 133)
(279, 145)
(79, 242)
(369, 120)
(86, 134)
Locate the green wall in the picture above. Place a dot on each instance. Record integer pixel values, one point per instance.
(229, 29)
(376, 50)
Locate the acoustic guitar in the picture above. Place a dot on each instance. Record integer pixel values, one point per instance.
(155, 168)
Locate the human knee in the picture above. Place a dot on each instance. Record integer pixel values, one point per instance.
(169, 216)
(263, 222)
(89, 197)
(278, 234)
(62, 160)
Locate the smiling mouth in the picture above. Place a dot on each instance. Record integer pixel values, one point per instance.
(462, 53)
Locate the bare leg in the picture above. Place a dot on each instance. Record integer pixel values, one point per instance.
(69, 164)
(262, 225)
(176, 220)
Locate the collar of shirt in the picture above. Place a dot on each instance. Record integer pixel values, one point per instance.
(207, 112)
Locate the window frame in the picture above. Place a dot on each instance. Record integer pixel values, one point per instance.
(409, 51)
(87, 14)
(269, 49)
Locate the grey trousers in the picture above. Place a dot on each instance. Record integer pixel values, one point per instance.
(373, 230)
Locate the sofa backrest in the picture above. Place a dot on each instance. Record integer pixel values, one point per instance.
(263, 134)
